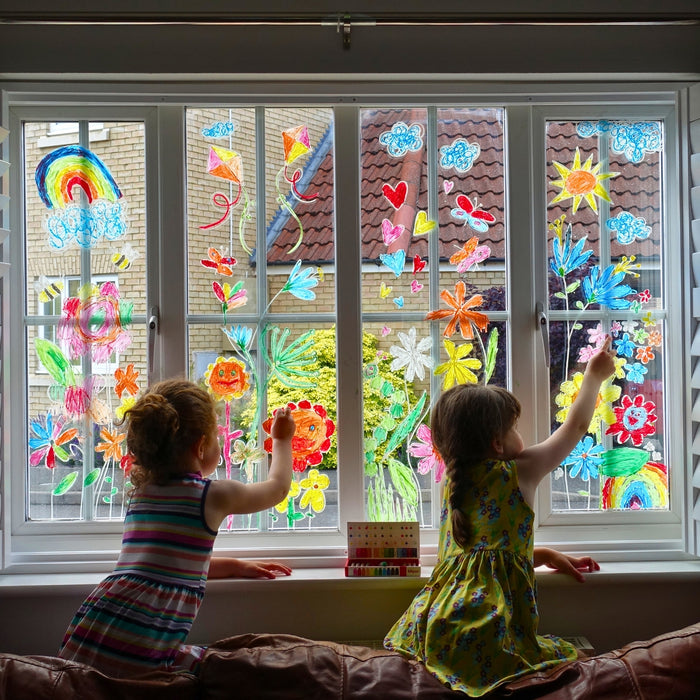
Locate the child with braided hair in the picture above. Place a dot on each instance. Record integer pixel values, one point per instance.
(474, 624)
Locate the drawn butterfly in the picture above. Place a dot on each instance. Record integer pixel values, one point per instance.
(220, 263)
(470, 254)
(472, 214)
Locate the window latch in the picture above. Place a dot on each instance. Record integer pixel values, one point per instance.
(153, 328)
(543, 325)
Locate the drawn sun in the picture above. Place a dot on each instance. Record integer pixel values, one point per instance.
(581, 182)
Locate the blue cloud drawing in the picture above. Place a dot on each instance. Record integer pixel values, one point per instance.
(629, 228)
(460, 155)
(402, 138)
(219, 130)
(633, 139)
(86, 225)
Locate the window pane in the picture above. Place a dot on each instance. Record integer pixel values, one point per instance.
(605, 268)
(266, 323)
(85, 267)
(409, 225)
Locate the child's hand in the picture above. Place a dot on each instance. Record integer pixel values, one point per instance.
(565, 564)
(602, 364)
(283, 425)
(228, 567)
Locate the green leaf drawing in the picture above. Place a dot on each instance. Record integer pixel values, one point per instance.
(491, 353)
(55, 362)
(406, 426)
(288, 364)
(91, 477)
(623, 461)
(402, 479)
(65, 483)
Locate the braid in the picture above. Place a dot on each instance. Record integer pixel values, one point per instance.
(464, 424)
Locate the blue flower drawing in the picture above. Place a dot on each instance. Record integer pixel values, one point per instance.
(584, 459)
(604, 288)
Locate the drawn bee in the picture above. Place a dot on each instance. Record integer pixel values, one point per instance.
(123, 260)
(47, 289)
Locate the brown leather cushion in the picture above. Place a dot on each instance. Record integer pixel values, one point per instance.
(51, 678)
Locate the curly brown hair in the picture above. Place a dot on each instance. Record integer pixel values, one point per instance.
(465, 421)
(163, 425)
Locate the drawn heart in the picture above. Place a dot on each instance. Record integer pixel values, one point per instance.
(416, 286)
(397, 195)
(394, 261)
(447, 185)
(399, 302)
(386, 330)
(384, 290)
(418, 264)
(423, 224)
(390, 232)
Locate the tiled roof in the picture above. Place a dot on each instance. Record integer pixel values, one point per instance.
(635, 190)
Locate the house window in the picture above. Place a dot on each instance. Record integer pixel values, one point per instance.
(406, 248)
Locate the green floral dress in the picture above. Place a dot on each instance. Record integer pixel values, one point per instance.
(474, 625)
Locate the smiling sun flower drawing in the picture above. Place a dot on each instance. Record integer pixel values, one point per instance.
(581, 182)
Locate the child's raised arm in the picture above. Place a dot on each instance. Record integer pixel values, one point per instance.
(226, 497)
(535, 462)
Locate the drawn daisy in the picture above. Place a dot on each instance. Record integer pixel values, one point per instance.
(458, 368)
(635, 419)
(461, 314)
(411, 355)
(429, 458)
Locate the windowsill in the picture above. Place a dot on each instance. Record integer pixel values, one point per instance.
(334, 578)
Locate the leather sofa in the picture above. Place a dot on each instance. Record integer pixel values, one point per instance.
(254, 666)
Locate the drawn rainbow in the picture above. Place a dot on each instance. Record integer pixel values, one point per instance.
(70, 166)
(646, 488)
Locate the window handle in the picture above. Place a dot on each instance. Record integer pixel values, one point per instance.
(153, 327)
(543, 325)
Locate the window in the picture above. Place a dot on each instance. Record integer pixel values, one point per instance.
(407, 247)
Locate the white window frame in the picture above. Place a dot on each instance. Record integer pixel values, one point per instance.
(92, 547)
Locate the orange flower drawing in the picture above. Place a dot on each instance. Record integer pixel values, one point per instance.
(460, 315)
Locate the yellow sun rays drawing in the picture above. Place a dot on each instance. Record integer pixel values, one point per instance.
(581, 182)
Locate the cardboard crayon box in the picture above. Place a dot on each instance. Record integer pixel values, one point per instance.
(383, 549)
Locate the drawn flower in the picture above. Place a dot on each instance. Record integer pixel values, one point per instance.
(247, 453)
(230, 297)
(458, 369)
(424, 449)
(227, 378)
(127, 403)
(315, 484)
(460, 315)
(635, 418)
(112, 445)
(605, 288)
(126, 464)
(294, 491)
(568, 391)
(655, 339)
(566, 259)
(644, 296)
(49, 440)
(301, 283)
(624, 346)
(586, 352)
(312, 436)
(126, 380)
(94, 321)
(585, 459)
(81, 400)
(240, 336)
(596, 335)
(636, 372)
(411, 355)
(645, 355)
(648, 319)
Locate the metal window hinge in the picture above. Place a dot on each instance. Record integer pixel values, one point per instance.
(346, 27)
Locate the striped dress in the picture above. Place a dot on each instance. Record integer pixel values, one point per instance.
(138, 618)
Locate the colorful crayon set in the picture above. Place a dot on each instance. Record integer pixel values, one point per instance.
(383, 549)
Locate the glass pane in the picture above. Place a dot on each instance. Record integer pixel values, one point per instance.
(274, 342)
(605, 243)
(465, 238)
(85, 274)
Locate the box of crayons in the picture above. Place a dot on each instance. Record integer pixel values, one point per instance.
(383, 549)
